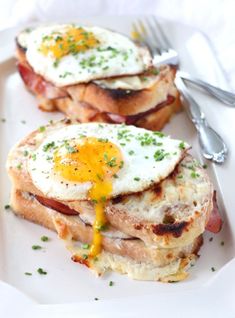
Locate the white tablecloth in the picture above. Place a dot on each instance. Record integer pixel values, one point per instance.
(214, 17)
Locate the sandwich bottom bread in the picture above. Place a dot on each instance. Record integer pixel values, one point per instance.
(120, 197)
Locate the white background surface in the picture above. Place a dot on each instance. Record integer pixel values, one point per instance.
(204, 293)
(214, 17)
(217, 298)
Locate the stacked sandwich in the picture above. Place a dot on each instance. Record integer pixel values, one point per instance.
(93, 74)
(122, 198)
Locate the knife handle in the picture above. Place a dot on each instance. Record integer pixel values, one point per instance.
(212, 145)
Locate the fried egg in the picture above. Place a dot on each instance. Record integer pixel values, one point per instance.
(69, 54)
(74, 160)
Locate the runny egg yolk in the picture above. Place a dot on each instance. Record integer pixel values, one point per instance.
(73, 41)
(96, 161)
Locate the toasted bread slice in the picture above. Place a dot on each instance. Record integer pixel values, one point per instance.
(126, 255)
(28, 207)
(170, 214)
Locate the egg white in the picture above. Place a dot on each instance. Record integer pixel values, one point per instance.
(130, 59)
(136, 165)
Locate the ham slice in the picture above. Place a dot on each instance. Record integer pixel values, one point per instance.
(38, 85)
(132, 119)
(214, 223)
(55, 205)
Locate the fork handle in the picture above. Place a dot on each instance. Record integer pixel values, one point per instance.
(226, 97)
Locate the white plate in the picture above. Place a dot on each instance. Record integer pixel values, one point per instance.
(69, 287)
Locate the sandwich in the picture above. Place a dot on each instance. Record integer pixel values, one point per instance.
(120, 197)
(95, 75)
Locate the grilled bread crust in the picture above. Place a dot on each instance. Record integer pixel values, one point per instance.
(28, 207)
(168, 215)
(128, 256)
(94, 102)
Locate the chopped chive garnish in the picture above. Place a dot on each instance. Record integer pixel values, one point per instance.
(41, 271)
(159, 134)
(194, 175)
(56, 63)
(71, 149)
(111, 283)
(44, 238)
(121, 164)
(155, 72)
(137, 179)
(7, 207)
(28, 273)
(160, 155)
(49, 146)
(103, 140)
(213, 269)
(182, 145)
(36, 247)
(86, 246)
(103, 198)
(42, 128)
(180, 176)
(102, 227)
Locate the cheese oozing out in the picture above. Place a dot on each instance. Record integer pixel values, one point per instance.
(96, 162)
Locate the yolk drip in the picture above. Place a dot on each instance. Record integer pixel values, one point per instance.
(73, 41)
(96, 161)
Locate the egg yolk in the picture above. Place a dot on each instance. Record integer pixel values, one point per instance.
(73, 41)
(96, 161)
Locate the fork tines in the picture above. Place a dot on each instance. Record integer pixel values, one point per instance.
(149, 31)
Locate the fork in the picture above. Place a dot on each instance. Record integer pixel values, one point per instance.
(162, 52)
(212, 146)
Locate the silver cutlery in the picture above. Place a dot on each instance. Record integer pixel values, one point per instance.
(225, 97)
(151, 34)
(212, 145)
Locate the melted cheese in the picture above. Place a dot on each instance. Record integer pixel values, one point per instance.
(137, 82)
